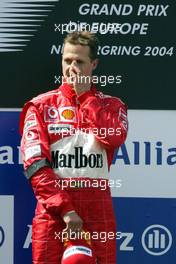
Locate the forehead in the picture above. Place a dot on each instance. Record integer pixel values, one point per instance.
(75, 51)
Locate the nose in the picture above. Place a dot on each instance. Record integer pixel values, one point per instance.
(74, 62)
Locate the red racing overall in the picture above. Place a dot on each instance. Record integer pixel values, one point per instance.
(69, 140)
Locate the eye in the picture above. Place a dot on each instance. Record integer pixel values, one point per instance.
(80, 62)
(68, 61)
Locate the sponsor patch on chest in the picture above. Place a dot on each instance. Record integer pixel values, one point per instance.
(59, 128)
(76, 160)
(66, 114)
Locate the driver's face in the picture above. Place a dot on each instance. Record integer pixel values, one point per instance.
(77, 56)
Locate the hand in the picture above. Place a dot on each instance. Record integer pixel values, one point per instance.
(73, 223)
(79, 82)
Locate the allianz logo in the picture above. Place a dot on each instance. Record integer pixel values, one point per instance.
(156, 240)
(145, 153)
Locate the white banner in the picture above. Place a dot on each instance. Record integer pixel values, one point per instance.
(146, 164)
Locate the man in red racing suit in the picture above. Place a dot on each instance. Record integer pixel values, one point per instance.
(68, 142)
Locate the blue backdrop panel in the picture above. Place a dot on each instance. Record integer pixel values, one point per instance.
(13, 182)
(148, 230)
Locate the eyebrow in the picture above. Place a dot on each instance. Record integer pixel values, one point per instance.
(67, 58)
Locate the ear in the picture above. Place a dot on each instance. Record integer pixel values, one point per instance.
(95, 63)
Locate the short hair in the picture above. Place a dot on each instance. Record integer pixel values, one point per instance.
(84, 38)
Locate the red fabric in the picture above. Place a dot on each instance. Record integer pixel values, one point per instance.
(105, 112)
(39, 117)
(55, 201)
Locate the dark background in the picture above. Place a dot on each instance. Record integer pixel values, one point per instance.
(147, 82)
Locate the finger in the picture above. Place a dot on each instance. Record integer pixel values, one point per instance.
(72, 227)
(72, 73)
(65, 235)
(75, 79)
(75, 69)
(71, 77)
(67, 72)
(75, 228)
(70, 233)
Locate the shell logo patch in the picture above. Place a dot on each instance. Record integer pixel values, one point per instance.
(68, 114)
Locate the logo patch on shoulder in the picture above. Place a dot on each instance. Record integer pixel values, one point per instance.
(51, 114)
(67, 114)
(30, 121)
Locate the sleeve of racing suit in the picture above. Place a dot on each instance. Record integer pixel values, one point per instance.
(36, 159)
(106, 116)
